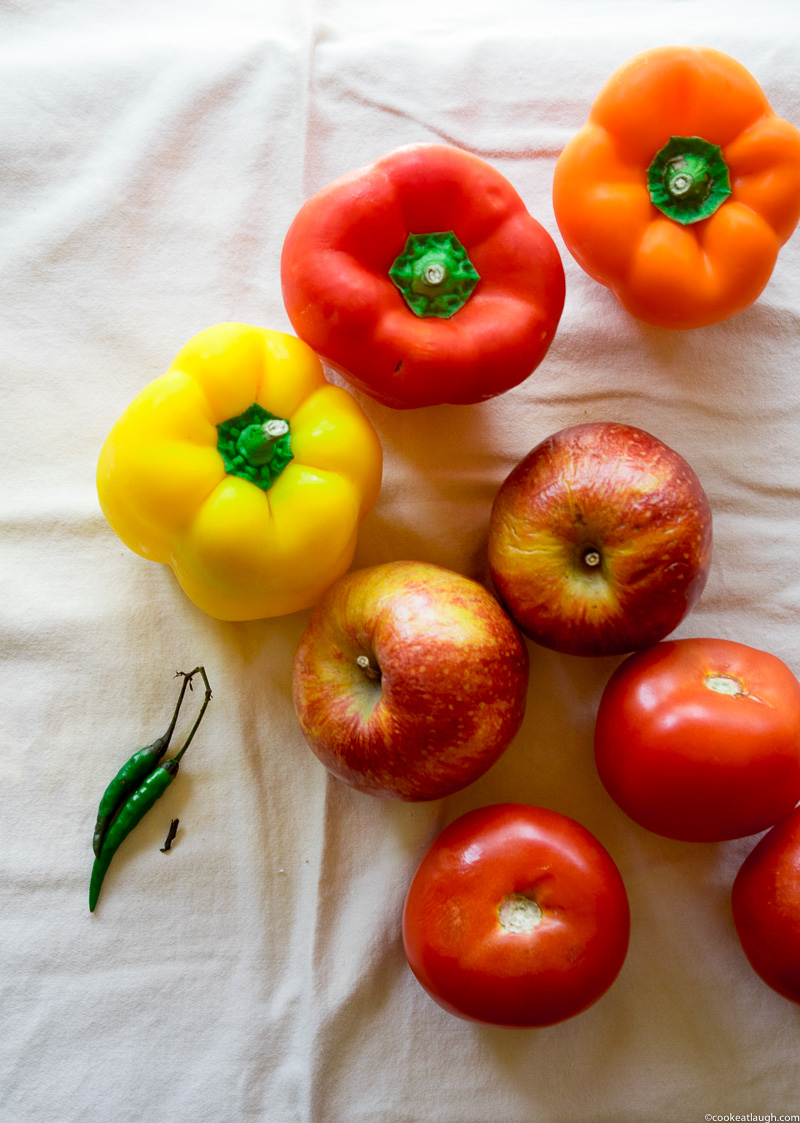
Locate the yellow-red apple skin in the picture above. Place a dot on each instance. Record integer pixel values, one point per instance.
(618, 490)
(452, 689)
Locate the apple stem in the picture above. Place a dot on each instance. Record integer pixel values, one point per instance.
(592, 558)
(367, 667)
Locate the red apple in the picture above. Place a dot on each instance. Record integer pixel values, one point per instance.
(600, 540)
(409, 680)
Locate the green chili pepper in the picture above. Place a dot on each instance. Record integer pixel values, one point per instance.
(130, 776)
(139, 803)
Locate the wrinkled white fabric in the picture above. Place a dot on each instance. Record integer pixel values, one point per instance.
(152, 157)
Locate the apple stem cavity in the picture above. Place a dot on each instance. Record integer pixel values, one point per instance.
(519, 913)
(370, 672)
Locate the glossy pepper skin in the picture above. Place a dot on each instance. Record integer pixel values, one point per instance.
(129, 816)
(132, 773)
(347, 272)
(698, 269)
(132, 810)
(242, 550)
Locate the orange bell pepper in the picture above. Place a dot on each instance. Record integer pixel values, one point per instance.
(680, 188)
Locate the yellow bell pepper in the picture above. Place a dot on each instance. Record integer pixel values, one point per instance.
(245, 470)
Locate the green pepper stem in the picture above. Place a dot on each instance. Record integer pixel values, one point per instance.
(257, 442)
(688, 179)
(206, 700)
(434, 274)
(255, 445)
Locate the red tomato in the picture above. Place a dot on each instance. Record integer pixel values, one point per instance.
(517, 916)
(766, 907)
(699, 739)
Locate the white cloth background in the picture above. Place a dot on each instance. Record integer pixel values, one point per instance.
(152, 157)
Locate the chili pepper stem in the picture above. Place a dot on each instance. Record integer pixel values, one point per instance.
(173, 723)
(206, 700)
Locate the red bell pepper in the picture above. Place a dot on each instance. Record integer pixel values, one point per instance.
(421, 278)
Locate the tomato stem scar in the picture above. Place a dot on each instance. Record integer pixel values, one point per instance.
(725, 684)
(519, 913)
